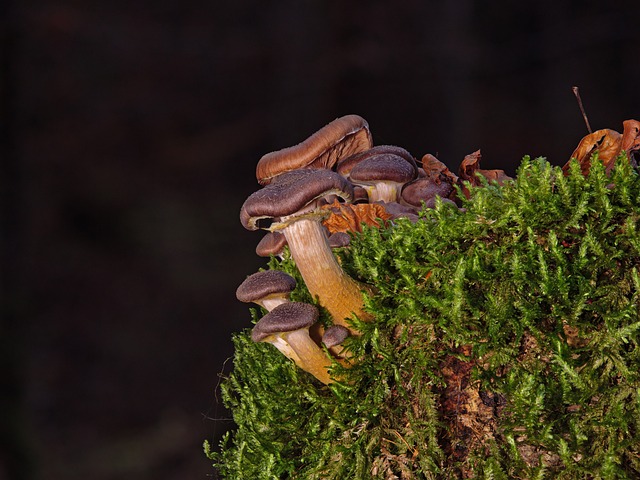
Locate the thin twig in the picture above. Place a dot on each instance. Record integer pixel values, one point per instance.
(576, 92)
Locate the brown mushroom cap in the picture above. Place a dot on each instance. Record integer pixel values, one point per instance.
(263, 284)
(271, 244)
(385, 167)
(383, 175)
(339, 239)
(398, 210)
(291, 193)
(347, 164)
(338, 139)
(426, 188)
(287, 317)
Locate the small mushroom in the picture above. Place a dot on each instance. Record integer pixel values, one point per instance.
(268, 288)
(287, 328)
(340, 138)
(383, 176)
(437, 181)
(425, 189)
(291, 202)
(346, 164)
(272, 243)
(339, 240)
(398, 210)
(333, 338)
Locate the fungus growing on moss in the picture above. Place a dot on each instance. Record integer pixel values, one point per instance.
(287, 328)
(504, 345)
(382, 176)
(267, 288)
(346, 164)
(339, 240)
(291, 203)
(426, 189)
(333, 338)
(272, 243)
(340, 138)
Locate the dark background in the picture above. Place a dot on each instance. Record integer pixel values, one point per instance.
(130, 134)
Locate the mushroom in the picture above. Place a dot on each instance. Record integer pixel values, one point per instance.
(437, 181)
(333, 338)
(287, 328)
(398, 210)
(292, 203)
(345, 165)
(383, 176)
(339, 240)
(268, 288)
(338, 139)
(425, 189)
(272, 243)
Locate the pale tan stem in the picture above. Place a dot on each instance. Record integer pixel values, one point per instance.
(383, 191)
(312, 357)
(340, 294)
(272, 301)
(286, 349)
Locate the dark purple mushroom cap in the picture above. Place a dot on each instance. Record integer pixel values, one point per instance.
(265, 283)
(425, 189)
(290, 193)
(271, 244)
(397, 210)
(431, 203)
(339, 239)
(347, 164)
(287, 317)
(383, 168)
(340, 138)
(335, 335)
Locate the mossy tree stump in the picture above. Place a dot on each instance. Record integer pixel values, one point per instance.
(504, 344)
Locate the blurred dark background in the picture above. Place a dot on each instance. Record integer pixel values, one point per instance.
(130, 134)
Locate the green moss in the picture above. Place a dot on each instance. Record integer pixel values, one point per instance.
(504, 345)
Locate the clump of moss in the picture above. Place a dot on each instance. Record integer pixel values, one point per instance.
(504, 344)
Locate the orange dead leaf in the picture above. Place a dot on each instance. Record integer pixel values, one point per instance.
(471, 165)
(434, 167)
(631, 138)
(606, 142)
(346, 217)
(609, 144)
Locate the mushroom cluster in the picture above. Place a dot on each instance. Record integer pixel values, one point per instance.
(335, 170)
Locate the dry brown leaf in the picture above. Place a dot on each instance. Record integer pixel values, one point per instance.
(606, 142)
(346, 217)
(631, 138)
(471, 165)
(609, 144)
(572, 335)
(434, 167)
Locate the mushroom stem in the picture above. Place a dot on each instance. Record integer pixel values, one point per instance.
(271, 302)
(286, 349)
(312, 358)
(383, 192)
(340, 294)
